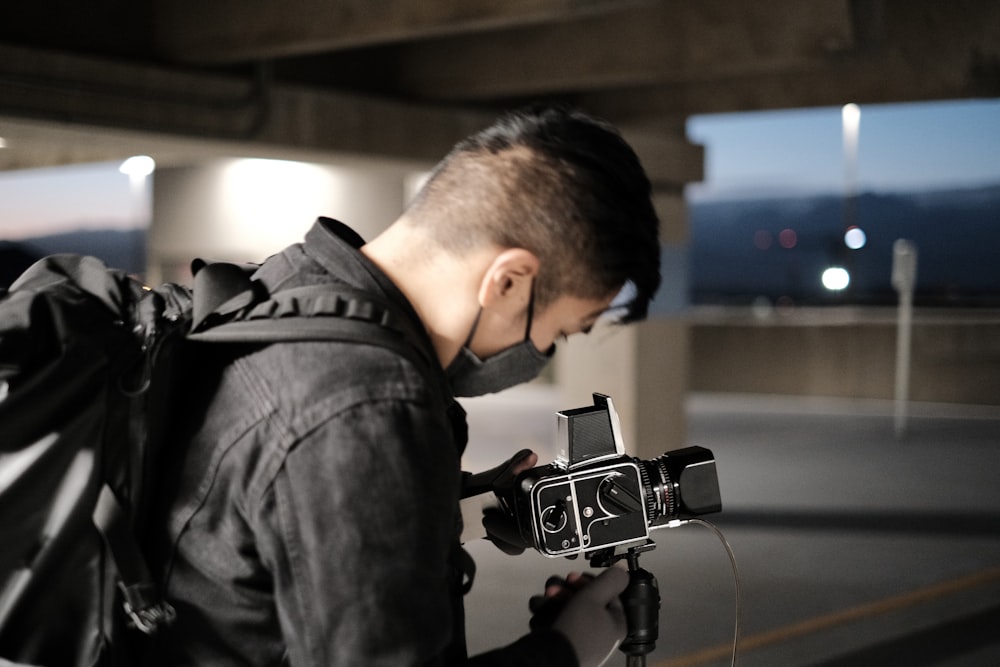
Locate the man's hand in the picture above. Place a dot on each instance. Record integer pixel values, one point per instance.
(499, 479)
(501, 527)
(586, 610)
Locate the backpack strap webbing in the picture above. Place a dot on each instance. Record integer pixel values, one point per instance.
(144, 605)
(228, 306)
(325, 312)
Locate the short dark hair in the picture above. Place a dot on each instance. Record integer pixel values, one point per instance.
(565, 186)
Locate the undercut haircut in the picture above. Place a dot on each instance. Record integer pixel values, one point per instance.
(561, 184)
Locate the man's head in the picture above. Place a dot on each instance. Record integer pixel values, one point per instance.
(561, 185)
(522, 236)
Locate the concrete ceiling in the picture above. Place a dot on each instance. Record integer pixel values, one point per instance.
(403, 79)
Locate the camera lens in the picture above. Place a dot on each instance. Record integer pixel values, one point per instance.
(679, 485)
(659, 489)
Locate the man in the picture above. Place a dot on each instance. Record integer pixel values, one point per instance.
(313, 517)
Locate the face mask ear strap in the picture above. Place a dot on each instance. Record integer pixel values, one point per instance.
(531, 311)
(472, 331)
(527, 331)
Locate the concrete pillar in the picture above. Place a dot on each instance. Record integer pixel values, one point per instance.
(247, 209)
(644, 367)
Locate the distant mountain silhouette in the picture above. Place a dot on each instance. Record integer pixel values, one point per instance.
(737, 253)
(14, 259)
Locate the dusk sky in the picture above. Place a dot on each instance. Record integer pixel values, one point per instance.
(58, 199)
(899, 147)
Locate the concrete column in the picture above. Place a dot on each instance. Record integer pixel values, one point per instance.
(644, 367)
(247, 209)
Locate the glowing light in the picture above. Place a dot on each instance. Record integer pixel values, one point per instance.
(268, 197)
(138, 166)
(3, 143)
(855, 238)
(762, 239)
(851, 116)
(788, 238)
(851, 122)
(836, 278)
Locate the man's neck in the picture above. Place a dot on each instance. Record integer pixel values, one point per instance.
(441, 288)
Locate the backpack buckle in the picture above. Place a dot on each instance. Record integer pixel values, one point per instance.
(146, 616)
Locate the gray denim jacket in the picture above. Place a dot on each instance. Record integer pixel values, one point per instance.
(310, 514)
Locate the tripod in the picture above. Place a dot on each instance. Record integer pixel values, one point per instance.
(641, 600)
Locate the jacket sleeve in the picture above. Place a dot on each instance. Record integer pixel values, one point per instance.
(357, 530)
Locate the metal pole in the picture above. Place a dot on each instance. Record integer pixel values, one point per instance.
(904, 274)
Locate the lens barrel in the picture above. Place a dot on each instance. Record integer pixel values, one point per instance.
(658, 487)
(680, 484)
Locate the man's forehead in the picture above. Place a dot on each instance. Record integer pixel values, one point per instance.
(583, 308)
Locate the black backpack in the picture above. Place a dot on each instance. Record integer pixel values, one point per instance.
(89, 360)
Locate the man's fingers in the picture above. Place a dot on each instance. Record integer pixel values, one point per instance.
(607, 586)
(523, 460)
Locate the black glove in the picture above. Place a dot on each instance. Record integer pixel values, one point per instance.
(503, 532)
(499, 479)
(499, 522)
(546, 608)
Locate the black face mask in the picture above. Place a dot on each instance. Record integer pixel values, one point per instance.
(471, 376)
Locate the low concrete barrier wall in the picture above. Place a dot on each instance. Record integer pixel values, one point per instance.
(846, 352)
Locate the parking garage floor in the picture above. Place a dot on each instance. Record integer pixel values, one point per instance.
(853, 546)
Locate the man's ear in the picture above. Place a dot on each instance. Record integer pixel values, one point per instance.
(507, 282)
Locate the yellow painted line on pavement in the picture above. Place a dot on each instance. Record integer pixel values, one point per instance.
(811, 625)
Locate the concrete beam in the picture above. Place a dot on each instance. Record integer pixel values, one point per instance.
(670, 160)
(31, 144)
(928, 51)
(656, 44)
(228, 31)
(248, 114)
(892, 80)
(119, 28)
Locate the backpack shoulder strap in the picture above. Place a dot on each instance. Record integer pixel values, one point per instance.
(222, 289)
(230, 307)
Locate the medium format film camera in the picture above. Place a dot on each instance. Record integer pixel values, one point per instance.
(594, 499)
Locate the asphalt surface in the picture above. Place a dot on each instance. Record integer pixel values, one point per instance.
(853, 546)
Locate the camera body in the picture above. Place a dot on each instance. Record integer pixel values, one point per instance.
(594, 497)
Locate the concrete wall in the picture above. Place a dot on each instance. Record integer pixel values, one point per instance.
(247, 209)
(847, 353)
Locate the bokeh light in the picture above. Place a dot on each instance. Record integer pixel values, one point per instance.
(855, 238)
(836, 278)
